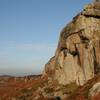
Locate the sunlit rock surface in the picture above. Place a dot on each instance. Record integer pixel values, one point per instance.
(77, 58)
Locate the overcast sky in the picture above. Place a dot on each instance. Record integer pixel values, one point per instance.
(29, 32)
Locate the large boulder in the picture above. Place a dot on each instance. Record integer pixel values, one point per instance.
(77, 58)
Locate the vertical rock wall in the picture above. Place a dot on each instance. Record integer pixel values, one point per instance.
(77, 57)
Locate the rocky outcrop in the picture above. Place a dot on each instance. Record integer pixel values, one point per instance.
(77, 58)
(50, 68)
(95, 90)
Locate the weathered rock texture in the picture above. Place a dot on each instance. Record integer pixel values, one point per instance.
(77, 57)
(95, 89)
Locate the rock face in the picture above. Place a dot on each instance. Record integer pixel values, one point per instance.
(95, 89)
(77, 58)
